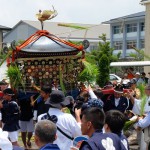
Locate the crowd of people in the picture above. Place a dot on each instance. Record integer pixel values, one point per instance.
(56, 119)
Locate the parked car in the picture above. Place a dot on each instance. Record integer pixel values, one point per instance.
(114, 77)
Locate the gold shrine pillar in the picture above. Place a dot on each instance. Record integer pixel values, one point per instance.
(146, 3)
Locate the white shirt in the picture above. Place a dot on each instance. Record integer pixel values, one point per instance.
(139, 81)
(5, 144)
(117, 101)
(67, 123)
(137, 106)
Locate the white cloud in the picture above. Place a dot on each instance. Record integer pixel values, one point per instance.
(76, 11)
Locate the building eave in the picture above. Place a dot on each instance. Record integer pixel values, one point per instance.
(21, 21)
(4, 28)
(134, 63)
(126, 18)
(143, 2)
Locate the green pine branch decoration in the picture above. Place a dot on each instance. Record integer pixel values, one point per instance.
(5, 57)
(89, 72)
(128, 124)
(15, 76)
(142, 53)
(73, 26)
(141, 87)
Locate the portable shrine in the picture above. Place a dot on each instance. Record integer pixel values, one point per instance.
(46, 59)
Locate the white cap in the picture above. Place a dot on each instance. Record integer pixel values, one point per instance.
(137, 73)
(125, 74)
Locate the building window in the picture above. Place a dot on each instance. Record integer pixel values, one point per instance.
(142, 26)
(131, 27)
(142, 44)
(93, 47)
(117, 29)
(131, 44)
(118, 45)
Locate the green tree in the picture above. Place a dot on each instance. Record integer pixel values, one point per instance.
(103, 70)
(104, 48)
(103, 51)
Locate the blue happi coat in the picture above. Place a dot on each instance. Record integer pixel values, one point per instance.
(102, 141)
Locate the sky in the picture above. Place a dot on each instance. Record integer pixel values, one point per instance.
(69, 11)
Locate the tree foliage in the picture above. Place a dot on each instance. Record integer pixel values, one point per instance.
(89, 73)
(102, 57)
(141, 54)
(104, 48)
(103, 70)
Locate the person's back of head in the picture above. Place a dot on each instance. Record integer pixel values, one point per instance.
(70, 100)
(45, 92)
(45, 132)
(93, 119)
(114, 121)
(79, 102)
(94, 115)
(80, 98)
(46, 89)
(85, 95)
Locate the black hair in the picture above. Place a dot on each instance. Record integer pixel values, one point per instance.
(115, 120)
(79, 102)
(8, 91)
(143, 73)
(96, 116)
(85, 95)
(80, 98)
(47, 90)
(131, 68)
(3, 83)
